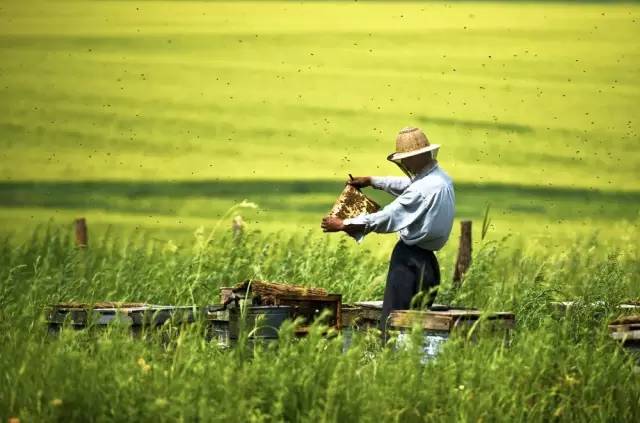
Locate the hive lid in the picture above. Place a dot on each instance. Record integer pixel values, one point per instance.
(98, 305)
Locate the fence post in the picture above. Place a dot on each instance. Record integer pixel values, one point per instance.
(81, 232)
(464, 254)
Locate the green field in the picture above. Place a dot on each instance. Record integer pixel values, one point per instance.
(155, 120)
(553, 368)
(164, 114)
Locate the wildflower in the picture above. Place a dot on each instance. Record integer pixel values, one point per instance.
(56, 402)
(237, 225)
(143, 365)
(570, 380)
(247, 204)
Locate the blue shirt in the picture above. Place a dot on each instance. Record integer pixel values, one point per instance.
(422, 212)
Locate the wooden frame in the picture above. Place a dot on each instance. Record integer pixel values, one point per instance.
(626, 329)
(446, 321)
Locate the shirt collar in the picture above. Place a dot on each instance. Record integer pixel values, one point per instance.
(427, 170)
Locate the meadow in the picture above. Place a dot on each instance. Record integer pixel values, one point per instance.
(552, 368)
(156, 119)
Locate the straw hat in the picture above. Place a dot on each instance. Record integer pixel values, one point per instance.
(411, 142)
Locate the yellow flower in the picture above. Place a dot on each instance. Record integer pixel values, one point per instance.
(570, 380)
(143, 365)
(56, 402)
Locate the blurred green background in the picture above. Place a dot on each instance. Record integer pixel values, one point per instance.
(162, 115)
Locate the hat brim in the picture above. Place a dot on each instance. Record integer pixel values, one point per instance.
(394, 157)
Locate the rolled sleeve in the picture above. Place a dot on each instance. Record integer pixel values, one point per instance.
(358, 220)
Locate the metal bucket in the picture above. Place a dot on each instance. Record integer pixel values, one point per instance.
(262, 322)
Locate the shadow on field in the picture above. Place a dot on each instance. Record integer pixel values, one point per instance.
(211, 197)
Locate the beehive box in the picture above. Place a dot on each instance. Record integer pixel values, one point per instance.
(308, 303)
(561, 308)
(135, 315)
(362, 315)
(449, 320)
(626, 330)
(438, 323)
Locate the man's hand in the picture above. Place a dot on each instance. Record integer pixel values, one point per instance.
(360, 182)
(332, 224)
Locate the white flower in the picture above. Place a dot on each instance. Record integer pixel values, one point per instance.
(247, 204)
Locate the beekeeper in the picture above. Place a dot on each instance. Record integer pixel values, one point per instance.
(422, 214)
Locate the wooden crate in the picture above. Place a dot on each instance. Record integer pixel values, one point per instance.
(448, 320)
(626, 329)
(438, 325)
(308, 303)
(362, 315)
(217, 324)
(310, 307)
(562, 308)
(136, 315)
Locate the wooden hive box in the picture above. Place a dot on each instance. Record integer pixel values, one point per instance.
(561, 308)
(305, 302)
(448, 320)
(136, 315)
(438, 324)
(362, 315)
(627, 330)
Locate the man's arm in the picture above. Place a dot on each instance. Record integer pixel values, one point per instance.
(394, 185)
(335, 224)
(397, 215)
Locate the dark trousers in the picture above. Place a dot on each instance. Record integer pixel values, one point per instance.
(412, 270)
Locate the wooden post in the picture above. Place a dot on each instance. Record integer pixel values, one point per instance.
(464, 253)
(81, 232)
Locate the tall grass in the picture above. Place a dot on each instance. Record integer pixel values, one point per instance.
(564, 369)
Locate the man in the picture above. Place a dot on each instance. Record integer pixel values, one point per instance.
(422, 213)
